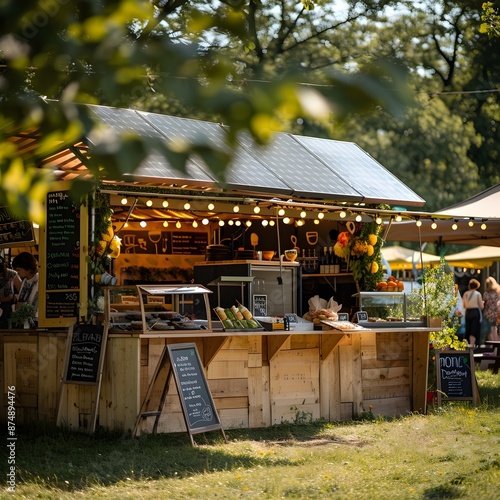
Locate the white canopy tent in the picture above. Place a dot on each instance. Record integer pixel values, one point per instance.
(479, 257)
(401, 258)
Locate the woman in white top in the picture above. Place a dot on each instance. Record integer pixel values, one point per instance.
(473, 305)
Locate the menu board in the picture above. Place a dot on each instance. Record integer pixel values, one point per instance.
(189, 243)
(63, 243)
(13, 231)
(84, 355)
(197, 404)
(455, 375)
(62, 304)
(164, 242)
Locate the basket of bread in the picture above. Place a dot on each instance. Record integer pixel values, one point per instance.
(320, 309)
(237, 318)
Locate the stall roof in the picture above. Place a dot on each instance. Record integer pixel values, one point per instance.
(296, 167)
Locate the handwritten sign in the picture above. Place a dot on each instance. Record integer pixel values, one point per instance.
(361, 316)
(14, 232)
(164, 242)
(455, 375)
(197, 404)
(62, 304)
(84, 354)
(259, 305)
(63, 242)
(343, 317)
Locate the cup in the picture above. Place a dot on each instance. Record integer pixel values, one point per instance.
(291, 255)
(105, 279)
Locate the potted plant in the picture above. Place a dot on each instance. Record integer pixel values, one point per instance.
(23, 316)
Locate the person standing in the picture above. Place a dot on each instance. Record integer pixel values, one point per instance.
(491, 299)
(26, 267)
(473, 305)
(10, 284)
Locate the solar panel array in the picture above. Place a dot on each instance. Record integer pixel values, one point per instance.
(292, 165)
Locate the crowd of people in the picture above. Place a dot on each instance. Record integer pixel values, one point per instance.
(18, 286)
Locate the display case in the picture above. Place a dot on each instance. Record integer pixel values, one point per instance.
(157, 308)
(391, 309)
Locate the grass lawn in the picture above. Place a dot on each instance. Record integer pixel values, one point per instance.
(453, 452)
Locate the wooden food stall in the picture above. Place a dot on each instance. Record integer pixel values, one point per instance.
(182, 239)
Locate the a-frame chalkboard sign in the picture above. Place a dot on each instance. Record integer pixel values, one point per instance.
(198, 408)
(83, 363)
(456, 380)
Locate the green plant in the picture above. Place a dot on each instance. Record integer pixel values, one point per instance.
(25, 312)
(438, 292)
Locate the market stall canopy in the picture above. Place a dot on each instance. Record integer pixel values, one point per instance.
(293, 167)
(479, 257)
(401, 258)
(470, 222)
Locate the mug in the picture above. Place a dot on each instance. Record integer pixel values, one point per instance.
(105, 279)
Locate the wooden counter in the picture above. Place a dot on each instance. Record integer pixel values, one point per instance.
(256, 379)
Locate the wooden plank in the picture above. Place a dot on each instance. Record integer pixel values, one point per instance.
(287, 413)
(275, 343)
(346, 373)
(386, 376)
(266, 395)
(255, 396)
(327, 382)
(329, 341)
(367, 364)
(236, 342)
(346, 412)
(420, 363)
(254, 360)
(392, 345)
(169, 422)
(255, 344)
(234, 387)
(231, 355)
(301, 341)
(226, 403)
(393, 407)
(227, 369)
(386, 392)
(211, 346)
(234, 418)
(357, 384)
(27, 369)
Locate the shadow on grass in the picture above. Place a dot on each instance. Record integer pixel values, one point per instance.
(70, 461)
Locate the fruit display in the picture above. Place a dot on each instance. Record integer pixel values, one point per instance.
(237, 318)
(391, 285)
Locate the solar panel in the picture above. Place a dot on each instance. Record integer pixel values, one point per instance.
(154, 165)
(244, 172)
(305, 173)
(372, 180)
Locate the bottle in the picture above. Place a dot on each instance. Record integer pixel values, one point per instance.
(336, 266)
(322, 256)
(331, 264)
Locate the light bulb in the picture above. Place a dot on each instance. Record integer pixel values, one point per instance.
(238, 223)
(434, 225)
(165, 203)
(342, 214)
(418, 222)
(165, 223)
(124, 201)
(454, 226)
(483, 226)
(378, 220)
(303, 214)
(231, 222)
(398, 218)
(321, 215)
(248, 223)
(211, 206)
(300, 222)
(271, 223)
(149, 203)
(286, 220)
(471, 223)
(316, 221)
(256, 209)
(359, 218)
(195, 224)
(205, 222)
(178, 225)
(221, 223)
(236, 209)
(265, 222)
(143, 223)
(281, 212)
(187, 205)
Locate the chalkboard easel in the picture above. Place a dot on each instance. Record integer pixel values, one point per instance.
(83, 363)
(198, 408)
(456, 379)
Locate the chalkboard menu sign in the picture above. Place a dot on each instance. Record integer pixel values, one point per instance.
(85, 352)
(197, 404)
(455, 375)
(63, 243)
(62, 304)
(164, 242)
(259, 307)
(14, 232)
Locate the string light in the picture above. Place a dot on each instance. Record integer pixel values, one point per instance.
(281, 212)
(454, 226)
(316, 221)
(300, 222)
(149, 203)
(178, 225)
(187, 205)
(211, 206)
(272, 223)
(321, 215)
(483, 226)
(248, 223)
(124, 201)
(418, 223)
(221, 223)
(237, 223)
(303, 214)
(265, 222)
(165, 203)
(236, 209)
(342, 214)
(471, 223)
(434, 225)
(378, 220)
(205, 222)
(359, 218)
(195, 224)
(143, 223)
(231, 222)
(286, 220)
(165, 223)
(398, 218)
(256, 209)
